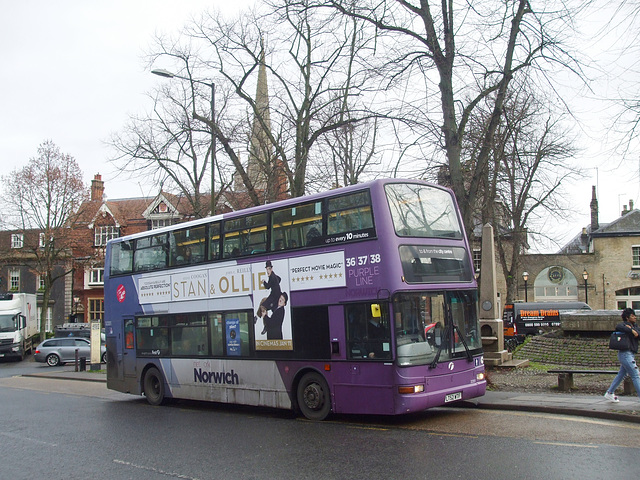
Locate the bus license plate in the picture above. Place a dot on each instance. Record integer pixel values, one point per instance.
(452, 397)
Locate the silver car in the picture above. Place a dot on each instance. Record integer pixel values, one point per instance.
(56, 351)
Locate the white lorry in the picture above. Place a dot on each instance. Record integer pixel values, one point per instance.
(18, 324)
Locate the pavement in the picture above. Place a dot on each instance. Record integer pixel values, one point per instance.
(594, 406)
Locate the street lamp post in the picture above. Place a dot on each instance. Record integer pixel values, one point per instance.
(167, 74)
(525, 277)
(585, 276)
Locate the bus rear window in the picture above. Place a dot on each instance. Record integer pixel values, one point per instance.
(121, 258)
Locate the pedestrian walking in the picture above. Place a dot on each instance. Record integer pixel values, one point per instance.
(626, 357)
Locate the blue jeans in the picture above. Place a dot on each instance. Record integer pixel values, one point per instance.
(628, 366)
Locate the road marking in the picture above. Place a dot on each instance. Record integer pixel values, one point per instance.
(360, 427)
(48, 386)
(153, 469)
(562, 444)
(27, 439)
(457, 435)
(568, 418)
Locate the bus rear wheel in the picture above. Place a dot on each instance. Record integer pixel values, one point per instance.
(313, 397)
(154, 386)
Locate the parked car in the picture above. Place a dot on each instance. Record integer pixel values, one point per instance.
(56, 351)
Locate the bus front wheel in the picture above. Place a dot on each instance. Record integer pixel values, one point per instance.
(313, 397)
(154, 386)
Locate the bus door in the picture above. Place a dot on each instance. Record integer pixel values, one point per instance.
(129, 352)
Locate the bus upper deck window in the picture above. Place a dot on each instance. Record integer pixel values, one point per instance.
(121, 258)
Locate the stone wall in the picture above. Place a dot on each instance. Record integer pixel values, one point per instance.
(590, 320)
(574, 352)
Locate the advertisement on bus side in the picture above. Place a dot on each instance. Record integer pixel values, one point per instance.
(267, 284)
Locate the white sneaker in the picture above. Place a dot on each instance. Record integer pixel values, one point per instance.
(611, 397)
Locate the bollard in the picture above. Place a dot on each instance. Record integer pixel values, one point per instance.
(83, 364)
(76, 359)
(565, 382)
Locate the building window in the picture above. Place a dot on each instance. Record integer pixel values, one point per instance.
(96, 309)
(96, 276)
(635, 252)
(41, 242)
(40, 279)
(159, 223)
(477, 259)
(17, 240)
(48, 327)
(104, 234)
(14, 279)
(628, 297)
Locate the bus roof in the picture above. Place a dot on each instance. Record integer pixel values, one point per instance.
(281, 203)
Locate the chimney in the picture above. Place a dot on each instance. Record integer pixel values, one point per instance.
(594, 210)
(630, 204)
(97, 188)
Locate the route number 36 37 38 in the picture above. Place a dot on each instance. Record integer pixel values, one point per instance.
(363, 260)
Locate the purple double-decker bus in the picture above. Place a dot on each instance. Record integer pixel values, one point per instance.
(357, 300)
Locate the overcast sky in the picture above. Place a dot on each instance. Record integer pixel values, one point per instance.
(73, 71)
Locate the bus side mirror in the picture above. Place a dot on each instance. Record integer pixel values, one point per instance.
(375, 310)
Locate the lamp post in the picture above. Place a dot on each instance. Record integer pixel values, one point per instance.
(164, 73)
(525, 277)
(585, 276)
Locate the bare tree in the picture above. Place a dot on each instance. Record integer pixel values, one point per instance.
(354, 146)
(627, 121)
(480, 45)
(353, 154)
(170, 146)
(531, 163)
(46, 195)
(309, 59)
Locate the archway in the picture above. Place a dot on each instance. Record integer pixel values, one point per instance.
(555, 284)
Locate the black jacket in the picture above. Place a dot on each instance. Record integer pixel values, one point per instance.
(627, 327)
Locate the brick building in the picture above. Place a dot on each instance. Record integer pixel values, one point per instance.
(20, 272)
(102, 220)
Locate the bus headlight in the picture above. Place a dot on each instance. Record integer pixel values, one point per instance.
(479, 377)
(411, 389)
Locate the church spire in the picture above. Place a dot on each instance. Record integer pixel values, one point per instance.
(261, 155)
(595, 225)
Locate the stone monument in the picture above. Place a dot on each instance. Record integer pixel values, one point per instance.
(491, 328)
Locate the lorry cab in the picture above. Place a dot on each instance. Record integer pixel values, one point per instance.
(18, 324)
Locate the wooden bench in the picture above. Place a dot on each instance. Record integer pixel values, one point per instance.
(565, 378)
